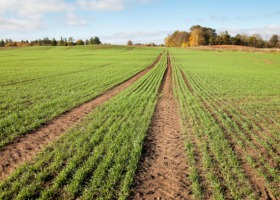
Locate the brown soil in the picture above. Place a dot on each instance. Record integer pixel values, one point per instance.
(187, 82)
(235, 48)
(162, 173)
(26, 147)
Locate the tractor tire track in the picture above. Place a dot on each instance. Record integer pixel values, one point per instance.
(162, 173)
(26, 147)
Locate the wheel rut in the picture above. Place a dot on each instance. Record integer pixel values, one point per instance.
(24, 148)
(162, 173)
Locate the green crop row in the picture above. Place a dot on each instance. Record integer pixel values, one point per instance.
(38, 83)
(220, 172)
(98, 158)
(213, 115)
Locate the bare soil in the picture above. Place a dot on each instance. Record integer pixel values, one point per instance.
(231, 47)
(235, 48)
(162, 173)
(26, 147)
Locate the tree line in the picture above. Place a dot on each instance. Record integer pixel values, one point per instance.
(199, 35)
(49, 42)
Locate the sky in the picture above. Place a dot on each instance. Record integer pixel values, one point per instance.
(142, 21)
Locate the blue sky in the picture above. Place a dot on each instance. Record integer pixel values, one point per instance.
(116, 21)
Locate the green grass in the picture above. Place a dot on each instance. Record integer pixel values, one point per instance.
(98, 158)
(230, 120)
(40, 83)
(229, 106)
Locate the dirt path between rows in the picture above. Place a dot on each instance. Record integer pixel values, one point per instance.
(26, 147)
(162, 173)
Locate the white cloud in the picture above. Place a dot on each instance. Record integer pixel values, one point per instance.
(238, 18)
(31, 8)
(137, 37)
(29, 14)
(101, 4)
(105, 5)
(74, 20)
(20, 24)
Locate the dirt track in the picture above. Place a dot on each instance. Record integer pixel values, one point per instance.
(162, 173)
(26, 147)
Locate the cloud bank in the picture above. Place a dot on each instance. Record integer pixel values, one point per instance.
(29, 15)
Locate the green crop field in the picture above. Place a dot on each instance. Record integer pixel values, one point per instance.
(230, 106)
(40, 83)
(228, 103)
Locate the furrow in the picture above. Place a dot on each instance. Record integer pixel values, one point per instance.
(26, 147)
(257, 182)
(162, 171)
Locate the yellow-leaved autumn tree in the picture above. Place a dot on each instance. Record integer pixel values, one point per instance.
(197, 37)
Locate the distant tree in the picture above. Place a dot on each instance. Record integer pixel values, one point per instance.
(177, 39)
(65, 42)
(129, 43)
(182, 39)
(244, 39)
(236, 40)
(95, 40)
(45, 42)
(91, 40)
(71, 41)
(274, 40)
(211, 40)
(60, 42)
(218, 40)
(170, 40)
(53, 42)
(87, 42)
(10, 43)
(151, 44)
(278, 45)
(80, 42)
(207, 33)
(2, 43)
(225, 37)
(195, 27)
(200, 35)
(197, 37)
(252, 41)
(256, 41)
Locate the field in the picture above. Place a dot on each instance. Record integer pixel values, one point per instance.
(116, 122)
(230, 109)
